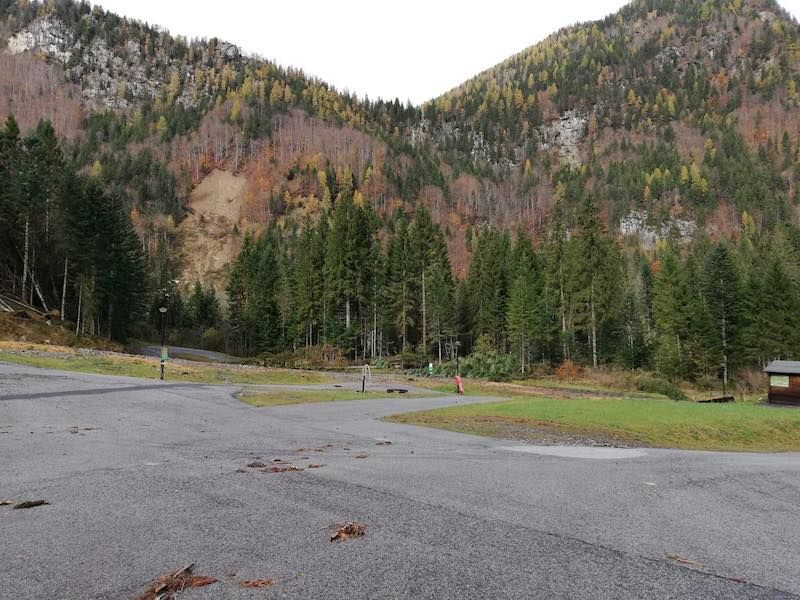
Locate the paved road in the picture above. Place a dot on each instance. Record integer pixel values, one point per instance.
(191, 353)
(142, 479)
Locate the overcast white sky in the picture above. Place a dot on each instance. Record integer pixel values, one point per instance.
(411, 49)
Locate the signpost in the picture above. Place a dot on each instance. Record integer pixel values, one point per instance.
(366, 373)
(164, 352)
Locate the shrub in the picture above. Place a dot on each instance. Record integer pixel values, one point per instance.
(312, 357)
(380, 363)
(752, 381)
(212, 339)
(655, 385)
(568, 370)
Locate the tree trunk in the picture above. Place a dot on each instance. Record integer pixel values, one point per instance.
(403, 315)
(439, 338)
(35, 286)
(724, 347)
(347, 312)
(564, 348)
(424, 317)
(80, 307)
(25, 265)
(110, 314)
(374, 326)
(324, 319)
(64, 288)
(594, 330)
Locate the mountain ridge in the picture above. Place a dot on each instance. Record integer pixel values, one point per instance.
(657, 132)
(548, 118)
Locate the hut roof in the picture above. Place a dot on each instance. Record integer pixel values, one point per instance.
(783, 367)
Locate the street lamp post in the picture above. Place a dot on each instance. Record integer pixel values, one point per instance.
(163, 311)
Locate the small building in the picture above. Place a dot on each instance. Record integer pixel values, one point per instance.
(784, 382)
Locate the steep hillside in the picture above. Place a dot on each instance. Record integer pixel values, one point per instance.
(657, 103)
(625, 192)
(152, 115)
(650, 100)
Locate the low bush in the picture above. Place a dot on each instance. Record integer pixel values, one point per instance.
(568, 371)
(490, 365)
(655, 385)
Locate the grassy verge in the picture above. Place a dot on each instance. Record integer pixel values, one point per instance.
(661, 423)
(527, 388)
(283, 397)
(136, 366)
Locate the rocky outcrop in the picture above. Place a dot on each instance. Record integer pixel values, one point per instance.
(108, 79)
(636, 224)
(565, 134)
(47, 35)
(669, 56)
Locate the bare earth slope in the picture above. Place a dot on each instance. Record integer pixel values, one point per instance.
(209, 232)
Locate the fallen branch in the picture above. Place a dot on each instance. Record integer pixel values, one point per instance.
(197, 581)
(31, 504)
(167, 586)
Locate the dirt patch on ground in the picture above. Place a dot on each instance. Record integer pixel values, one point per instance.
(211, 233)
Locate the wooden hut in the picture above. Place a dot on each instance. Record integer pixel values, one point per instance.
(784, 382)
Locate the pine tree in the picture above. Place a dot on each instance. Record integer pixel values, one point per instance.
(428, 259)
(349, 270)
(521, 318)
(723, 295)
(238, 296)
(400, 283)
(488, 282)
(772, 329)
(263, 313)
(595, 277)
(670, 316)
(308, 280)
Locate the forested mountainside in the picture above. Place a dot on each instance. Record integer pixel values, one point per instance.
(623, 192)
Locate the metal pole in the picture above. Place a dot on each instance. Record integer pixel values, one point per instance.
(163, 339)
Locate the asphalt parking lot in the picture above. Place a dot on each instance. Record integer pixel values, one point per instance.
(144, 477)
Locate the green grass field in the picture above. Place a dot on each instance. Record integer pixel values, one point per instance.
(283, 397)
(134, 366)
(648, 422)
(525, 388)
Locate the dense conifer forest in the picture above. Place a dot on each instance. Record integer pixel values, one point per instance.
(623, 194)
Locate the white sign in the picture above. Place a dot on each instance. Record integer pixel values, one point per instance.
(779, 381)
